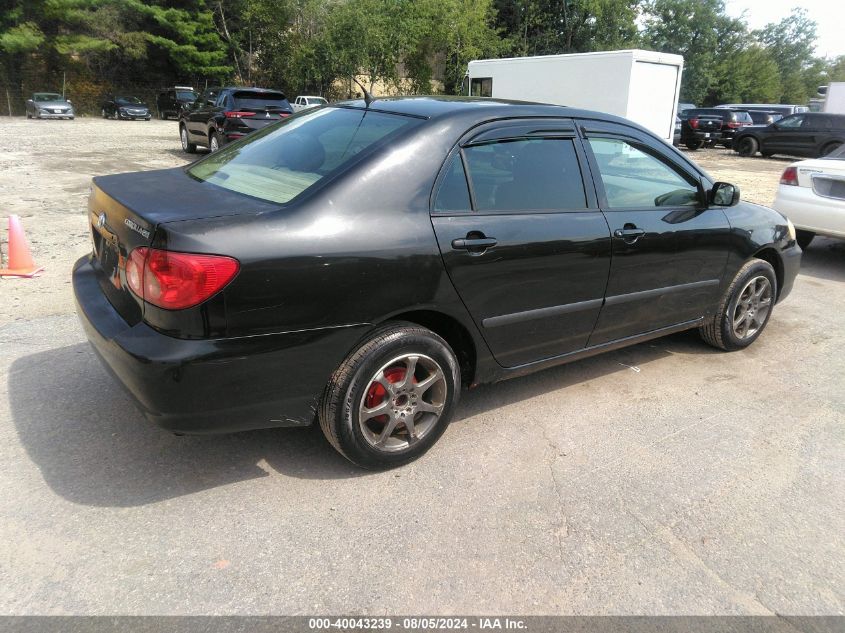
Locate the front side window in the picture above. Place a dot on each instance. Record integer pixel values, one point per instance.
(481, 87)
(793, 121)
(283, 160)
(526, 174)
(633, 178)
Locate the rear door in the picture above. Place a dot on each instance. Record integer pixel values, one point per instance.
(669, 249)
(524, 244)
(200, 113)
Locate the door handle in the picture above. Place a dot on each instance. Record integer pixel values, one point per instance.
(630, 233)
(474, 244)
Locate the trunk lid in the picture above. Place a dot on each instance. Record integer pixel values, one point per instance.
(125, 211)
(707, 123)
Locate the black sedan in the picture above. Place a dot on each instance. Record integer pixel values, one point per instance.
(125, 107)
(222, 115)
(359, 263)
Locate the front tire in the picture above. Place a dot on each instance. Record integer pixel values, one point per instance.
(213, 142)
(804, 238)
(187, 146)
(745, 308)
(747, 146)
(392, 398)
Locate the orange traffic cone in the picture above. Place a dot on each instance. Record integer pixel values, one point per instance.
(21, 263)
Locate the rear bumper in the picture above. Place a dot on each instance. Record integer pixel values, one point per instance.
(811, 212)
(211, 385)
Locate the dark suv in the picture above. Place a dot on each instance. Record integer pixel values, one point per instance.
(809, 134)
(171, 102)
(700, 129)
(221, 115)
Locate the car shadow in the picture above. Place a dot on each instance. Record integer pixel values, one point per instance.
(94, 448)
(824, 258)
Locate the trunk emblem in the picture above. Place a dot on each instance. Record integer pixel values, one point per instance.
(101, 221)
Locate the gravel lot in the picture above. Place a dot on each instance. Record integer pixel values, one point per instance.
(665, 478)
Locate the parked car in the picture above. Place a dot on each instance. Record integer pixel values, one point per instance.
(759, 117)
(125, 107)
(812, 194)
(48, 105)
(359, 263)
(810, 134)
(171, 102)
(222, 115)
(729, 122)
(780, 108)
(698, 130)
(304, 102)
(676, 137)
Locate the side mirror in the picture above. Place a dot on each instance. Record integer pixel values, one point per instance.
(724, 194)
(68, 100)
(209, 102)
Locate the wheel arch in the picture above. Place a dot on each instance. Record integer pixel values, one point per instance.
(452, 331)
(769, 254)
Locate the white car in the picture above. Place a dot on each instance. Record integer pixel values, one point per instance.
(812, 194)
(303, 102)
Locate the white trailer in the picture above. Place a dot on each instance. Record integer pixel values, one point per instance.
(834, 98)
(639, 85)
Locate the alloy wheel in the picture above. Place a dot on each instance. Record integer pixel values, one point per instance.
(403, 401)
(184, 137)
(214, 144)
(752, 308)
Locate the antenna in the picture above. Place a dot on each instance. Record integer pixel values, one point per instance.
(368, 98)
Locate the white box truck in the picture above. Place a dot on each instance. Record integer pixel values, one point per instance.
(834, 98)
(639, 85)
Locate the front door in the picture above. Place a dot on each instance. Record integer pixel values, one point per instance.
(525, 245)
(669, 249)
(787, 135)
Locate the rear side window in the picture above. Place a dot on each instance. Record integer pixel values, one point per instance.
(283, 160)
(633, 178)
(744, 117)
(453, 194)
(526, 174)
(481, 87)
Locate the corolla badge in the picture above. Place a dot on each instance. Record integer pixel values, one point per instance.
(137, 228)
(101, 221)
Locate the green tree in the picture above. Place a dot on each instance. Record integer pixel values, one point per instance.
(791, 43)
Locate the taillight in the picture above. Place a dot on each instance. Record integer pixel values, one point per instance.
(693, 123)
(238, 115)
(175, 281)
(789, 177)
(733, 125)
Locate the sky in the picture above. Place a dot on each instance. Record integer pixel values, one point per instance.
(828, 14)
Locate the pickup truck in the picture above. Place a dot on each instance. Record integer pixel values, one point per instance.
(303, 102)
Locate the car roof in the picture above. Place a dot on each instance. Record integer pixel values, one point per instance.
(444, 106)
(249, 88)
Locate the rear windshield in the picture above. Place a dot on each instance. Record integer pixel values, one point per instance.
(706, 112)
(283, 160)
(186, 95)
(261, 100)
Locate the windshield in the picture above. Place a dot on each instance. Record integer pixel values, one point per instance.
(128, 100)
(46, 96)
(283, 160)
(186, 95)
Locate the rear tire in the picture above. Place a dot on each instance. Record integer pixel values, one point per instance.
(804, 238)
(693, 145)
(187, 146)
(831, 147)
(747, 146)
(416, 407)
(745, 308)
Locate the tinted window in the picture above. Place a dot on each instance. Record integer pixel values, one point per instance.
(635, 178)
(791, 121)
(744, 117)
(538, 174)
(283, 160)
(185, 95)
(453, 194)
(260, 100)
(481, 87)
